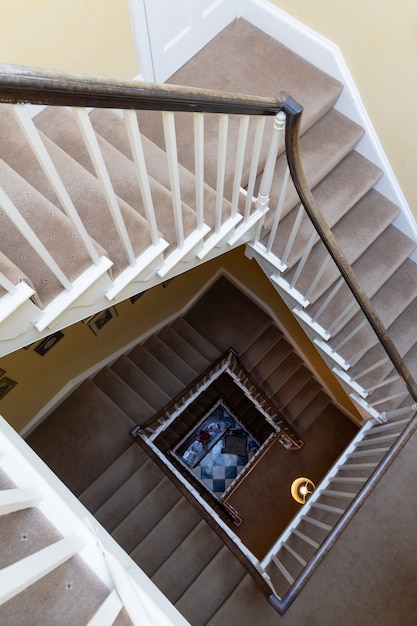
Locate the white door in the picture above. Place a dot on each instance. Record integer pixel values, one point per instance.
(175, 30)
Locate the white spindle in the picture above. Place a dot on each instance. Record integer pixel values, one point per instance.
(240, 155)
(254, 166)
(371, 368)
(293, 234)
(279, 209)
(12, 500)
(97, 159)
(386, 381)
(350, 336)
(357, 357)
(32, 136)
(307, 250)
(268, 173)
(108, 611)
(353, 304)
(168, 120)
(136, 146)
(7, 284)
(221, 169)
(318, 277)
(18, 220)
(393, 396)
(329, 298)
(199, 167)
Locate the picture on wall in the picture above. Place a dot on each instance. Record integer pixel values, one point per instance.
(6, 385)
(98, 322)
(2, 372)
(48, 343)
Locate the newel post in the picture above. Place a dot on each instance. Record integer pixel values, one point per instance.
(262, 200)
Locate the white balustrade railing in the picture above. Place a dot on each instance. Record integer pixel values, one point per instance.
(37, 486)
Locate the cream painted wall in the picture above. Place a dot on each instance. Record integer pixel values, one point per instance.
(379, 43)
(40, 378)
(92, 37)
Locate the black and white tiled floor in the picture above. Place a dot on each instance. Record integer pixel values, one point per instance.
(217, 470)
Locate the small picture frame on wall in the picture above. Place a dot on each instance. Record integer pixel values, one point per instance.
(98, 322)
(48, 343)
(2, 372)
(6, 385)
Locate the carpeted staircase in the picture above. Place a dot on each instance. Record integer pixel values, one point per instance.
(86, 442)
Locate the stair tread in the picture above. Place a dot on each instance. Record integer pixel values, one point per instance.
(373, 268)
(86, 414)
(111, 127)
(146, 388)
(61, 127)
(52, 228)
(165, 536)
(122, 394)
(190, 558)
(238, 311)
(113, 477)
(341, 189)
(146, 514)
(211, 588)
(389, 302)
(266, 341)
(198, 341)
(173, 361)
(322, 147)
(12, 272)
(83, 188)
(355, 232)
(178, 343)
(130, 493)
(23, 533)
(156, 370)
(70, 594)
(208, 70)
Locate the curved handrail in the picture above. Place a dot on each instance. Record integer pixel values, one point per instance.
(25, 84)
(293, 112)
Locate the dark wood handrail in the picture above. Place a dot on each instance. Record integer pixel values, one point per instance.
(293, 111)
(25, 84)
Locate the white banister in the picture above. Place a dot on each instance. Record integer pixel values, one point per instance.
(317, 277)
(221, 169)
(108, 611)
(199, 167)
(168, 120)
(240, 155)
(301, 264)
(12, 500)
(93, 148)
(18, 220)
(132, 127)
(253, 172)
(32, 136)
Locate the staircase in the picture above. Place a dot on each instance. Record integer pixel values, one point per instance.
(113, 246)
(123, 487)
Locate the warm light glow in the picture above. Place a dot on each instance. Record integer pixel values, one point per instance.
(301, 488)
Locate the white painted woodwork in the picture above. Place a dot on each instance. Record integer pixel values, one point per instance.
(186, 27)
(12, 500)
(108, 611)
(20, 575)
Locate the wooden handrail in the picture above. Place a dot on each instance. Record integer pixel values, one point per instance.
(25, 84)
(293, 111)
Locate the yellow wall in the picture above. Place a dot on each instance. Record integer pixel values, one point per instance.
(40, 378)
(87, 36)
(379, 43)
